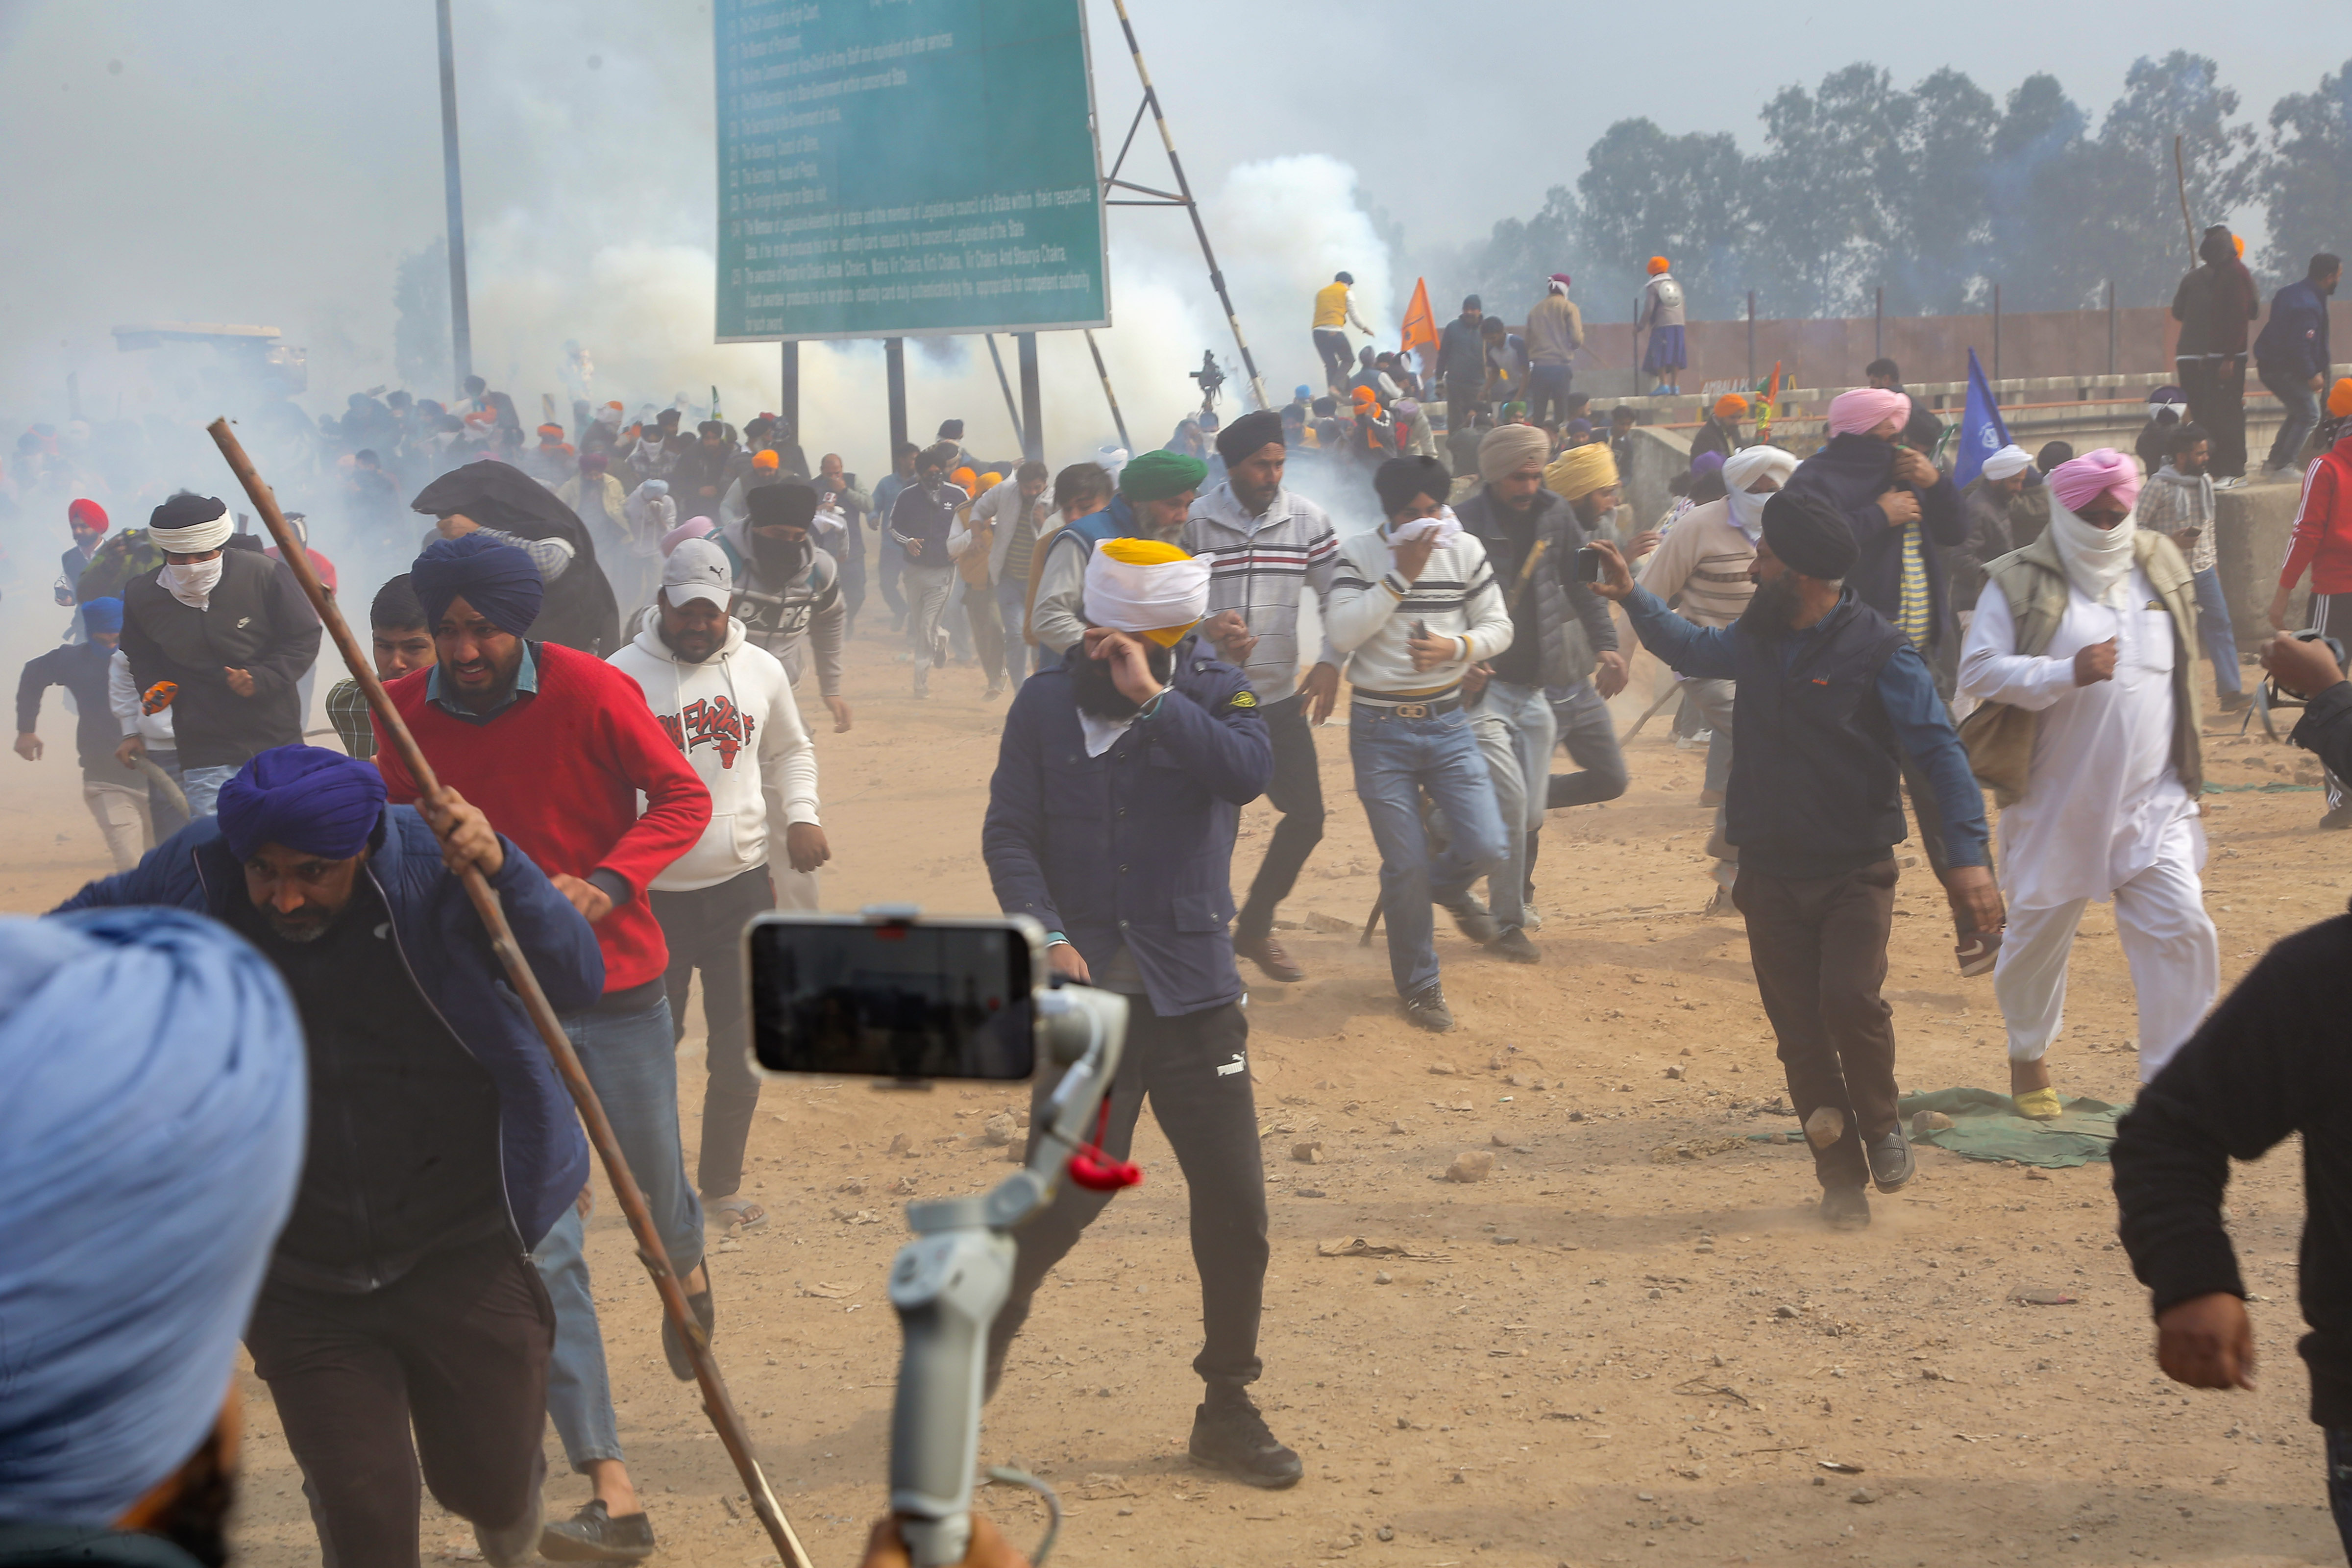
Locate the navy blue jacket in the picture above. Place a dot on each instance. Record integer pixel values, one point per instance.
(1819, 793)
(1851, 473)
(80, 669)
(2293, 342)
(542, 1151)
(1136, 845)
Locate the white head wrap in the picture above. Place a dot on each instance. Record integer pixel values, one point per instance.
(1743, 468)
(2009, 460)
(1144, 586)
(195, 539)
(2098, 560)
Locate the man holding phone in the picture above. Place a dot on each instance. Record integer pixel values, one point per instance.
(1118, 783)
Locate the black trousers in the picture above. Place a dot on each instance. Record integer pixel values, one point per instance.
(1195, 1069)
(1296, 792)
(704, 930)
(2217, 400)
(456, 1349)
(1818, 946)
(1461, 403)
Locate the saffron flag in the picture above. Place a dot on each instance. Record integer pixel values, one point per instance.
(1421, 326)
(1981, 431)
(1769, 391)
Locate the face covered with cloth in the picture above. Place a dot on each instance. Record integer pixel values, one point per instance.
(1141, 596)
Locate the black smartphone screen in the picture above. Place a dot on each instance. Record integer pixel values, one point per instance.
(1588, 564)
(899, 1001)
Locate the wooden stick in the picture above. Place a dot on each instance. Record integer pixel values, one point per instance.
(716, 1403)
(2180, 184)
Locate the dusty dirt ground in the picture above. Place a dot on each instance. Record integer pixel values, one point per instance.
(1611, 1351)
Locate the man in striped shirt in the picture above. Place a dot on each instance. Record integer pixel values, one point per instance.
(1414, 605)
(1266, 546)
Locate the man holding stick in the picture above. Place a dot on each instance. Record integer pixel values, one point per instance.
(558, 745)
(441, 1145)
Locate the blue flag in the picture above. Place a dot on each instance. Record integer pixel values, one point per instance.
(1981, 432)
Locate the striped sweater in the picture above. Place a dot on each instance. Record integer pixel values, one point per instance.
(1371, 612)
(1262, 567)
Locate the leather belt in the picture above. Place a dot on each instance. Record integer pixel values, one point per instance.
(1435, 708)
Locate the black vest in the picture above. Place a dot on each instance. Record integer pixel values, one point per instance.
(1815, 788)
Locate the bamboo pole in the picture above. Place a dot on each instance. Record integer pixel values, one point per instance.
(631, 1199)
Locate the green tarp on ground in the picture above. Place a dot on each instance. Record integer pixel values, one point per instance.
(1986, 1126)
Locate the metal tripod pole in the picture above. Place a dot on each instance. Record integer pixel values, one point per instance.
(1181, 196)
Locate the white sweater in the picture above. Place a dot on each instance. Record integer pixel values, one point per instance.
(1370, 613)
(734, 717)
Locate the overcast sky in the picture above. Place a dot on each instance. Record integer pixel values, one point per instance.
(270, 160)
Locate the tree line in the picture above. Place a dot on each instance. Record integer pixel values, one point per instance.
(1935, 193)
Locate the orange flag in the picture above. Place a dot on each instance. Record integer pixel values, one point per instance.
(1420, 325)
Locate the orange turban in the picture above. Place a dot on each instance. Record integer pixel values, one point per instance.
(1730, 405)
(765, 461)
(1365, 397)
(1657, 265)
(2339, 398)
(964, 479)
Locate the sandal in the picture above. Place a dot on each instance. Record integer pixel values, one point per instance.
(741, 1214)
(2039, 1105)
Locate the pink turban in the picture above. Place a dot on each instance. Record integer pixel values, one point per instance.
(1865, 408)
(692, 528)
(2077, 483)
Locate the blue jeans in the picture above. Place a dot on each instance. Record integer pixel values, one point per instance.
(2213, 631)
(631, 1060)
(1580, 717)
(1514, 726)
(203, 788)
(2301, 406)
(1022, 659)
(1396, 760)
(1548, 389)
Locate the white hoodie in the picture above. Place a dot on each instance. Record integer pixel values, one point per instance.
(734, 717)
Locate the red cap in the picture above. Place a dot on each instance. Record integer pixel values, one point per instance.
(88, 514)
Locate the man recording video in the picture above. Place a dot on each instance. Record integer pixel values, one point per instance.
(1110, 822)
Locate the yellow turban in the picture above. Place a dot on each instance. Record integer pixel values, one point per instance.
(1146, 586)
(1579, 471)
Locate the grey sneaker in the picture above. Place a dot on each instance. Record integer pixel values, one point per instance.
(1514, 945)
(1891, 1165)
(1427, 1010)
(1845, 1208)
(1471, 919)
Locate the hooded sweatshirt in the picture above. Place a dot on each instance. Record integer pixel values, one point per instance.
(734, 717)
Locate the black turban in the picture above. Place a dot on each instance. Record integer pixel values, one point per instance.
(780, 506)
(1245, 436)
(1398, 479)
(1810, 535)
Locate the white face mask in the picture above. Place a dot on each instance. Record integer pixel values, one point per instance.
(1747, 512)
(194, 583)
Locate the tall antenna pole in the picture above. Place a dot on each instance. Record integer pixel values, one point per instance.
(1180, 198)
(461, 315)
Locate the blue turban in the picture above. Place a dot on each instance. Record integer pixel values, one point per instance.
(102, 614)
(319, 802)
(146, 1167)
(496, 579)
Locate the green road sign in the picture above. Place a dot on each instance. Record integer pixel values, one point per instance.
(889, 167)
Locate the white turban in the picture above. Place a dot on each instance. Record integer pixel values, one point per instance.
(1743, 468)
(2007, 461)
(1147, 587)
(181, 526)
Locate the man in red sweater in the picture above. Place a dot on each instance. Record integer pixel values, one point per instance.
(555, 746)
(2323, 544)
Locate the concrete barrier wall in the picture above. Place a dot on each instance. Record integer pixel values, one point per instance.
(2250, 540)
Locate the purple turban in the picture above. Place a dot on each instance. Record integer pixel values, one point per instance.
(496, 579)
(319, 802)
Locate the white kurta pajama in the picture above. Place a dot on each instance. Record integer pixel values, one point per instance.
(2104, 816)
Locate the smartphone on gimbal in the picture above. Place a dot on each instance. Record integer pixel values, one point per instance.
(894, 996)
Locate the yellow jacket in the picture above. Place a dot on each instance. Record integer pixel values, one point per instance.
(1332, 306)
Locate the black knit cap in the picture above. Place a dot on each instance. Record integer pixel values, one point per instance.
(1810, 536)
(1398, 479)
(185, 510)
(1245, 436)
(780, 506)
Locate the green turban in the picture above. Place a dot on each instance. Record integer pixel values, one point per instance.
(1159, 476)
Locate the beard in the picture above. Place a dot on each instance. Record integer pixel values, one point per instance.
(1771, 610)
(778, 560)
(1098, 694)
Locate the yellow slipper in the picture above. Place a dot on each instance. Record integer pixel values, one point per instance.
(2039, 1104)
